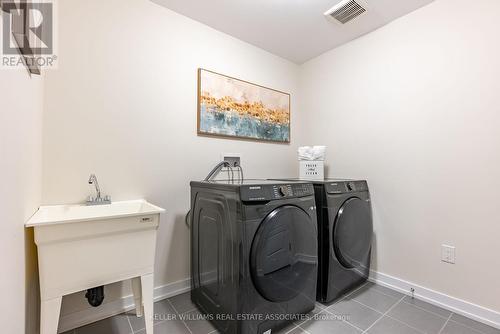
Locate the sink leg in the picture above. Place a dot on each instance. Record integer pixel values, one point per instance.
(49, 315)
(136, 288)
(147, 298)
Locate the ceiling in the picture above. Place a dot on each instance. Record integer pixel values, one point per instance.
(293, 29)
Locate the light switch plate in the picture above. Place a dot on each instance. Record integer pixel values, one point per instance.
(448, 254)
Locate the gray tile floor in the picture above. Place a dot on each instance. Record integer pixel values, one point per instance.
(371, 309)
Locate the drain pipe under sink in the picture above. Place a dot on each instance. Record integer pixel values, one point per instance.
(95, 296)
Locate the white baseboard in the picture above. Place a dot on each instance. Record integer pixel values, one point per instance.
(126, 303)
(462, 307)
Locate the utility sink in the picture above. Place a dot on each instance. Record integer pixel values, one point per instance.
(82, 247)
(58, 214)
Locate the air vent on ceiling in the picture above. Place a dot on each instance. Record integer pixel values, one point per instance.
(346, 11)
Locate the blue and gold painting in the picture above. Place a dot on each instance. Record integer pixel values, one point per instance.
(231, 107)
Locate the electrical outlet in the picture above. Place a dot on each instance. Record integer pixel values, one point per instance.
(234, 159)
(448, 254)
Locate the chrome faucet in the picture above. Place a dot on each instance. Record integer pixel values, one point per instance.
(93, 180)
(98, 199)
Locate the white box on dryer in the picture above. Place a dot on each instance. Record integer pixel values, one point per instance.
(312, 169)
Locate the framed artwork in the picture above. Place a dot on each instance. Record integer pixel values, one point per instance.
(229, 107)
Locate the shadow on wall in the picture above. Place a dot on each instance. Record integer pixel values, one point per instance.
(177, 245)
(374, 262)
(327, 170)
(32, 288)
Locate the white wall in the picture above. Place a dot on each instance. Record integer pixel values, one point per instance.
(20, 193)
(413, 107)
(122, 104)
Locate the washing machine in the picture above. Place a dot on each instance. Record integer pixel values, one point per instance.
(254, 254)
(345, 232)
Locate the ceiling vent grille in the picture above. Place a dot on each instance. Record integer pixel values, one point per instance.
(346, 11)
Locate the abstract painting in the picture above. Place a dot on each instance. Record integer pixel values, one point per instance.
(230, 107)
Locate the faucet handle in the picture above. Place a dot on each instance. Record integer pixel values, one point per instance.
(107, 198)
(90, 199)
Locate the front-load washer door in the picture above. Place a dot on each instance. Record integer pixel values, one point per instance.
(283, 257)
(352, 233)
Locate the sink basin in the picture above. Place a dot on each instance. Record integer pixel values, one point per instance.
(58, 214)
(81, 247)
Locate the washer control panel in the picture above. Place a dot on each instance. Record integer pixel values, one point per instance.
(282, 191)
(270, 192)
(341, 187)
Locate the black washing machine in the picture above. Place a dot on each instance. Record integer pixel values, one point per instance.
(254, 253)
(345, 232)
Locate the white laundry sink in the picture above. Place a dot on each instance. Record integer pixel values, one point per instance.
(56, 214)
(81, 247)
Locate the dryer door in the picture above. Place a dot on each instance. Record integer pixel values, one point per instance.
(352, 232)
(283, 257)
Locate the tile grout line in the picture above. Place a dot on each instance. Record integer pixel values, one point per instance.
(189, 330)
(425, 310)
(383, 315)
(188, 311)
(347, 322)
(344, 298)
(371, 308)
(298, 326)
(325, 308)
(404, 323)
(417, 307)
(386, 294)
(468, 327)
(429, 311)
(215, 330)
(446, 323)
(397, 301)
(129, 323)
(422, 309)
(387, 315)
(353, 291)
(406, 295)
(162, 321)
(440, 316)
(294, 328)
(448, 319)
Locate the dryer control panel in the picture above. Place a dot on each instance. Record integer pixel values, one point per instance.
(341, 187)
(269, 192)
